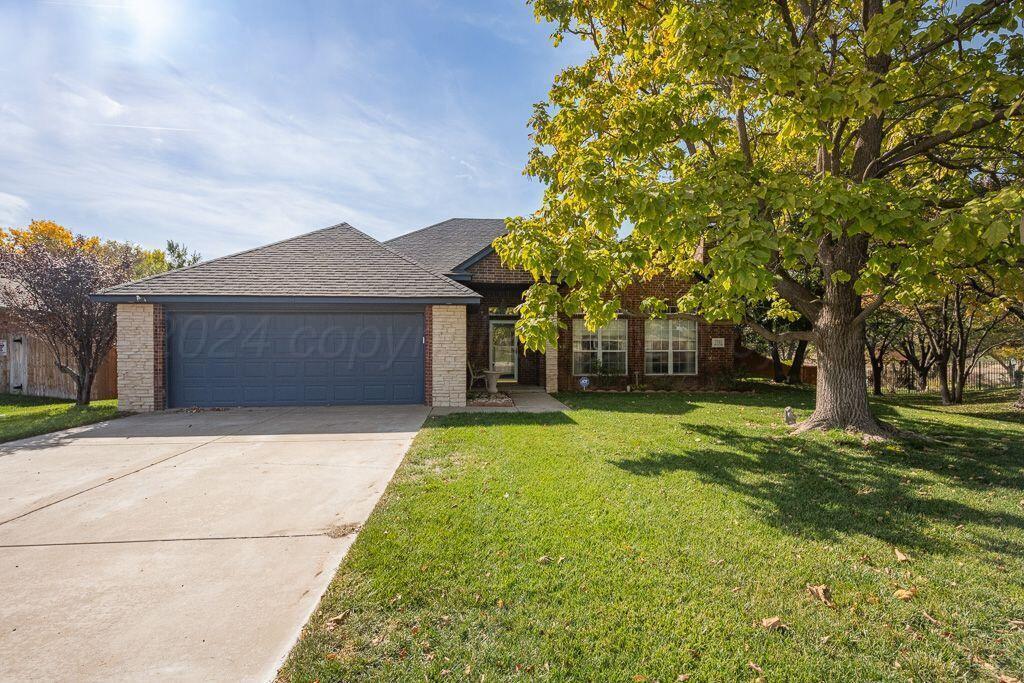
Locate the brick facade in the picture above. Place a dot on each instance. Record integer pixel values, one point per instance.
(715, 366)
(428, 345)
(478, 331)
(503, 288)
(489, 270)
(551, 369)
(141, 349)
(448, 356)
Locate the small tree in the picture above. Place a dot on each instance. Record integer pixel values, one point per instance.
(156, 261)
(48, 275)
(960, 329)
(1003, 286)
(178, 256)
(855, 139)
(880, 335)
(916, 348)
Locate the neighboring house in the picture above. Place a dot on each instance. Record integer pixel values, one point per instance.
(27, 366)
(336, 317)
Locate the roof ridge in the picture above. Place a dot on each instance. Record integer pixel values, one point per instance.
(434, 225)
(226, 256)
(419, 230)
(419, 265)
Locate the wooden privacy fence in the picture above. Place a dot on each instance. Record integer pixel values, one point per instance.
(27, 367)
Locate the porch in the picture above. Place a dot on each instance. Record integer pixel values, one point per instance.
(525, 399)
(491, 343)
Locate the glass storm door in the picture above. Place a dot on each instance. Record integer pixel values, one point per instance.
(504, 358)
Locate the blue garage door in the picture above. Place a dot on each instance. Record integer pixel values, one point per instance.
(287, 359)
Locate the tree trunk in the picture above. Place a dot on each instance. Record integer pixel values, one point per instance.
(795, 368)
(1020, 400)
(842, 394)
(876, 375)
(83, 384)
(922, 379)
(942, 368)
(777, 370)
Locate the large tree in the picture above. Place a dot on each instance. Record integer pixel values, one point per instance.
(852, 139)
(47, 276)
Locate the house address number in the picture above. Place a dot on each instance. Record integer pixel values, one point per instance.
(718, 342)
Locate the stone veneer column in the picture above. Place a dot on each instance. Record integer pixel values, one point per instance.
(140, 358)
(551, 369)
(448, 356)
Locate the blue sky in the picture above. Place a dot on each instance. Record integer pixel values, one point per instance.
(231, 124)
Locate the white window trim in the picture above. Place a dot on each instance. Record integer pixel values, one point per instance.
(600, 352)
(696, 350)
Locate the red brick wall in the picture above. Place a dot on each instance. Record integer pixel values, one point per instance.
(531, 364)
(428, 377)
(714, 366)
(489, 270)
(500, 286)
(159, 357)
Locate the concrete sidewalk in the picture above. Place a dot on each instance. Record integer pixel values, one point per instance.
(183, 546)
(527, 399)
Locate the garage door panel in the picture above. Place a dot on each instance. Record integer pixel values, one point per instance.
(294, 358)
(256, 369)
(315, 368)
(345, 368)
(258, 394)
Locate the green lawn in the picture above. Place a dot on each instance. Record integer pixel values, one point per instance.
(22, 416)
(645, 537)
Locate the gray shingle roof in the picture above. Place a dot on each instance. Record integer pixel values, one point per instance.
(335, 262)
(445, 246)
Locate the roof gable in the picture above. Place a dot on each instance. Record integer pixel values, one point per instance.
(447, 246)
(335, 263)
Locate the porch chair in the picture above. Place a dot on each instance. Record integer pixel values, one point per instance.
(475, 374)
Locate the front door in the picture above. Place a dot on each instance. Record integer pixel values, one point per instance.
(504, 355)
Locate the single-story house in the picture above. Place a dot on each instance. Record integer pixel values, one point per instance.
(337, 317)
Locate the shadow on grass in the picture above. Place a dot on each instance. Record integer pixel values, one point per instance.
(676, 403)
(500, 419)
(813, 487)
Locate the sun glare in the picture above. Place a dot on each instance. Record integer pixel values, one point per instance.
(151, 21)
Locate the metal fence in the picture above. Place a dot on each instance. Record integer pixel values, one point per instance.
(901, 377)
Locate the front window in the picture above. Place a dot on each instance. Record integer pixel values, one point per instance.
(670, 347)
(603, 350)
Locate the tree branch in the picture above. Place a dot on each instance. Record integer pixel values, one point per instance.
(781, 337)
(896, 157)
(869, 309)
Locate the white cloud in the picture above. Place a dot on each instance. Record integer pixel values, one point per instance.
(165, 158)
(13, 210)
(110, 139)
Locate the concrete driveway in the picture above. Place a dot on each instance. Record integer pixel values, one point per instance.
(184, 546)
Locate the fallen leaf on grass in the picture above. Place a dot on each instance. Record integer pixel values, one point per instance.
(822, 593)
(1017, 624)
(543, 559)
(931, 619)
(755, 667)
(682, 677)
(901, 556)
(336, 620)
(905, 593)
(773, 624)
